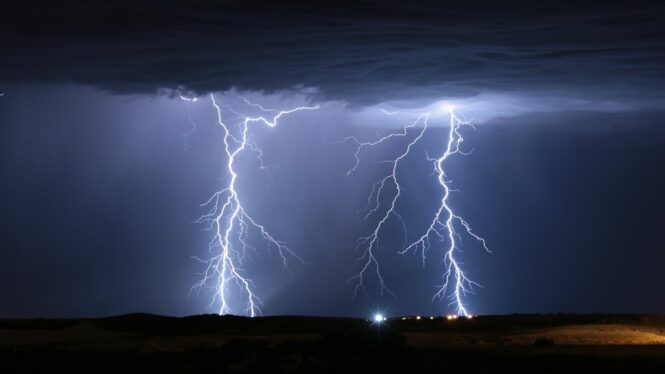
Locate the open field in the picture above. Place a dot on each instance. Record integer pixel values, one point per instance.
(516, 343)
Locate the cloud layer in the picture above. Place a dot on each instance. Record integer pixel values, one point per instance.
(364, 52)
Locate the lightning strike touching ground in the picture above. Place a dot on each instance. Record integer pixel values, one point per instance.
(444, 225)
(229, 220)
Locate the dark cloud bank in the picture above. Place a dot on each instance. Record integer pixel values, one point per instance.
(360, 51)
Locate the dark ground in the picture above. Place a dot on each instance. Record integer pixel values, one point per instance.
(209, 343)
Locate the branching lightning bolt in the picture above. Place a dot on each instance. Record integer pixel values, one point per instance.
(369, 243)
(229, 220)
(443, 225)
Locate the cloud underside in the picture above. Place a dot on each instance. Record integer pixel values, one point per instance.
(364, 53)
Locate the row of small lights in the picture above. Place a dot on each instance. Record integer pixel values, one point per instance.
(378, 318)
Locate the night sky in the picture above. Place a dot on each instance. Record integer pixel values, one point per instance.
(102, 177)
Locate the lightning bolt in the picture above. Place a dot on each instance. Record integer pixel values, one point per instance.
(230, 222)
(444, 226)
(369, 244)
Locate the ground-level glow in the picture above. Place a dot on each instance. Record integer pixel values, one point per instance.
(378, 318)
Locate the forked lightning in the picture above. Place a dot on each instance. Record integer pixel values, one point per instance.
(229, 220)
(445, 225)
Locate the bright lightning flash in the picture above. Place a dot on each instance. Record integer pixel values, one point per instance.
(379, 318)
(229, 220)
(445, 224)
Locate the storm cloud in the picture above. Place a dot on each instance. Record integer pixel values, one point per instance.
(362, 52)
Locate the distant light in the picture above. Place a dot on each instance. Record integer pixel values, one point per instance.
(451, 317)
(403, 318)
(378, 318)
(431, 317)
(418, 318)
(469, 316)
